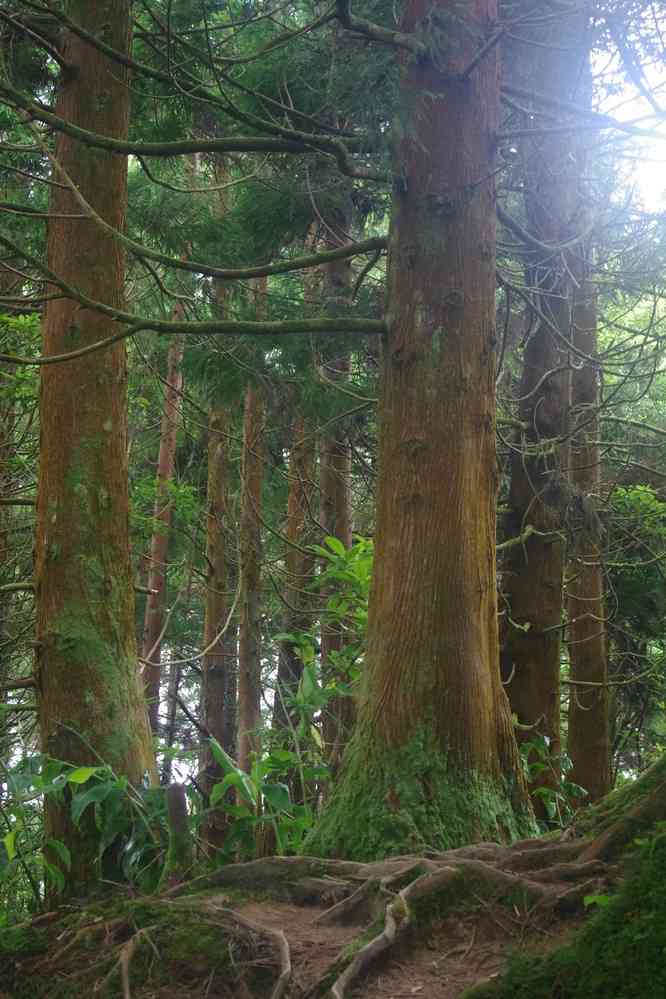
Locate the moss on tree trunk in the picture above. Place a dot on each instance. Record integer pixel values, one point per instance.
(433, 759)
(91, 704)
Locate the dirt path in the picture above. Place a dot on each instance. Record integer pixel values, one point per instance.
(303, 928)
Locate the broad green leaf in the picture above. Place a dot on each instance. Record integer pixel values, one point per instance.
(81, 775)
(335, 545)
(100, 792)
(221, 757)
(59, 847)
(277, 796)
(10, 844)
(55, 875)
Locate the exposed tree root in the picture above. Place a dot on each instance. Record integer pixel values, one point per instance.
(445, 886)
(122, 965)
(354, 905)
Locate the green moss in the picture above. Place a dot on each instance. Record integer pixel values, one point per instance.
(22, 941)
(404, 799)
(620, 953)
(614, 807)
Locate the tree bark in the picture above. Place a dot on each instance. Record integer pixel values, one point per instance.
(214, 706)
(335, 516)
(249, 639)
(588, 738)
(170, 724)
(299, 569)
(538, 493)
(433, 758)
(91, 703)
(159, 545)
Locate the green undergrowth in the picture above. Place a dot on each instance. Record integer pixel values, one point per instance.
(407, 799)
(619, 954)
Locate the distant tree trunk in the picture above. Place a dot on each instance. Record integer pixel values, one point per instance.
(249, 639)
(159, 545)
(335, 517)
(299, 569)
(335, 465)
(588, 739)
(214, 680)
(170, 725)
(91, 703)
(538, 493)
(433, 758)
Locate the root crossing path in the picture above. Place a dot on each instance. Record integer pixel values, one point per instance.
(426, 926)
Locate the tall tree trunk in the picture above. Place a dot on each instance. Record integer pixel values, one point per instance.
(588, 739)
(335, 458)
(159, 545)
(299, 568)
(538, 492)
(91, 703)
(249, 639)
(335, 517)
(214, 682)
(433, 758)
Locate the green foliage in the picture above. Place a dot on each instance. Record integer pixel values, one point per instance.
(561, 797)
(257, 801)
(130, 827)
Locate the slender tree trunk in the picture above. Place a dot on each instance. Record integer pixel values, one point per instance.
(159, 545)
(588, 740)
(214, 706)
(299, 567)
(538, 492)
(170, 725)
(335, 516)
(433, 758)
(335, 462)
(91, 703)
(249, 639)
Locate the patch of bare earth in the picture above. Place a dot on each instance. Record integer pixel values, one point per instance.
(408, 926)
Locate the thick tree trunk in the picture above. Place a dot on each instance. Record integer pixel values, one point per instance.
(159, 545)
(538, 493)
(433, 758)
(91, 703)
(588, 740)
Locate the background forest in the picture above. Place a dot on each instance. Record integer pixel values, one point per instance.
(332, 429)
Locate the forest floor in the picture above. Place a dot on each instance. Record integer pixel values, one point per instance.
(302, 928)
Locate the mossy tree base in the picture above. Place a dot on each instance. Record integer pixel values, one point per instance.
(408, 799)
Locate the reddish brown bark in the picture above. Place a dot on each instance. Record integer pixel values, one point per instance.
(588, 738)
(249, 645)
(214, 685)
(159, 545)
(335, 517)
(299, 570)
(249, 639)
(433, 723)
(91, 704)
(538, 492)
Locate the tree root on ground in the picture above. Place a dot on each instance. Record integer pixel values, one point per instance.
(445, 886)
(122, 965)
